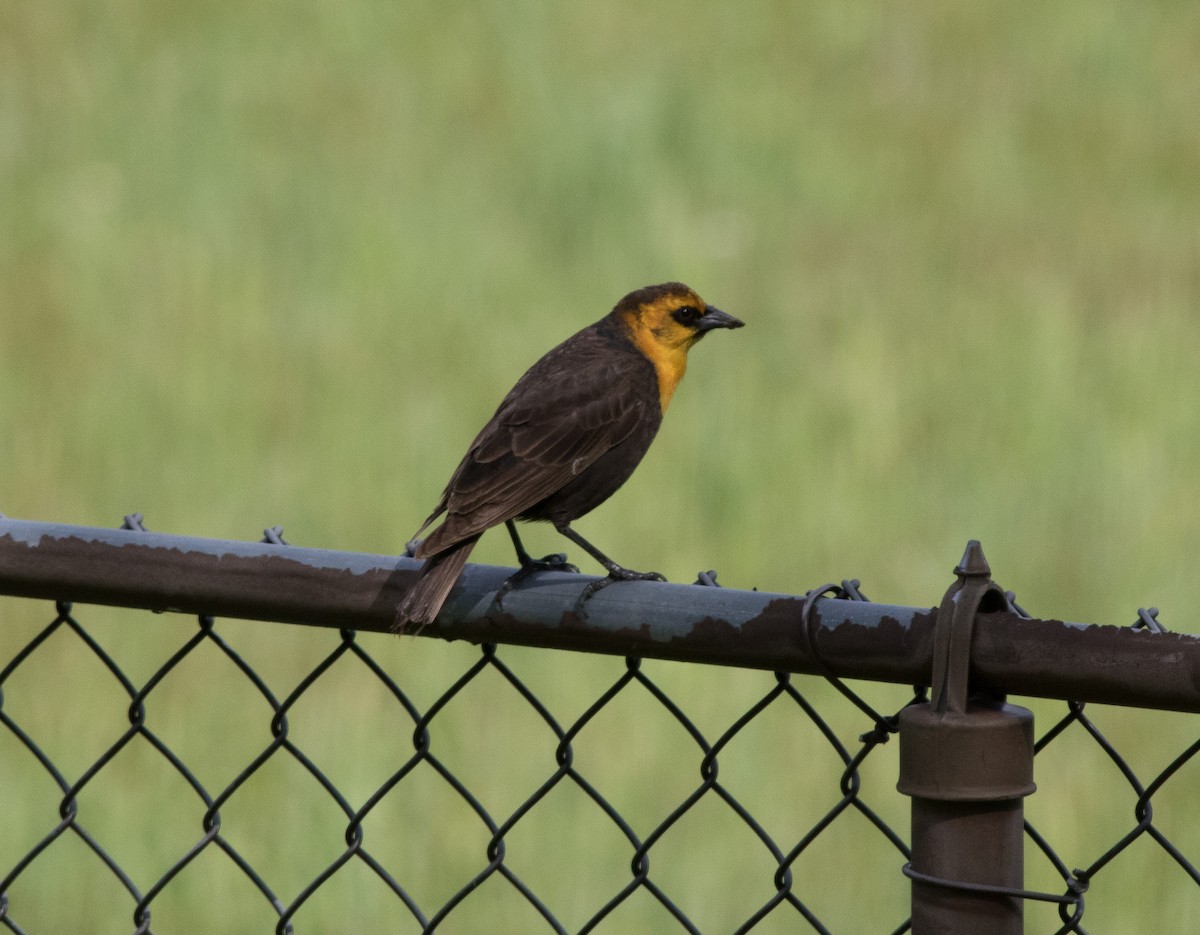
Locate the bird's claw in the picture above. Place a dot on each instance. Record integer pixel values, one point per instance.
(616, 573)
(410, 548)
(531, 566)
(556, 562)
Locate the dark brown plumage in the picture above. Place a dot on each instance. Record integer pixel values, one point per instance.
(565, 437)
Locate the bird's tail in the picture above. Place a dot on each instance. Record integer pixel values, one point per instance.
(429, 592)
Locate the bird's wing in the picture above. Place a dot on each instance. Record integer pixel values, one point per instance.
(559, 418)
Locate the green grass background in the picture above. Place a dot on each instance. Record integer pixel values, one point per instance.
(275, 263)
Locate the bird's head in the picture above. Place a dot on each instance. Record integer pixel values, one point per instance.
(664, 321)
(669, 318)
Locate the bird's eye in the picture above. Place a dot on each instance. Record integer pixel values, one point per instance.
(687, 315)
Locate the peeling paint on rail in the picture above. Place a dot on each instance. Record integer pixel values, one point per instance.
(855, 639)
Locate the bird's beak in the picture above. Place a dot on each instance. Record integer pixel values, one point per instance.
(715, 318)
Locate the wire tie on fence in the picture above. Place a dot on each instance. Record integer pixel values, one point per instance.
(1011, 605)
(847, 591)
(273, 535)
(809, 622)
(850, 591)
(1148, 620)
(1072, 897)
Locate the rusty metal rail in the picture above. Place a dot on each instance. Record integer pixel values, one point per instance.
(966, 755)
(1009, 654)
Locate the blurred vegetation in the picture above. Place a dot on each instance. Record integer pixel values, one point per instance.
(276, 263)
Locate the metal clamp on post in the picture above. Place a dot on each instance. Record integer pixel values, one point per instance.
(967, 762)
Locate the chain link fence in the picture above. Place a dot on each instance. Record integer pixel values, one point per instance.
(460, 789)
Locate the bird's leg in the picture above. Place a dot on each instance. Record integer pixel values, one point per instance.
(529, 565)
(556, 562)
(615, 572)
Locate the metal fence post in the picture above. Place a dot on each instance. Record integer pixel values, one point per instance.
(967, 763)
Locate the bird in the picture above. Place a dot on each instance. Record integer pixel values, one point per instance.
(565, 438)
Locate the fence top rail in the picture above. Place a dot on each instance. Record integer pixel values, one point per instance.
(854, 639)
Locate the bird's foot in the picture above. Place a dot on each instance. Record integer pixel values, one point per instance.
(615, 573)
(410, 548)
(531, 566)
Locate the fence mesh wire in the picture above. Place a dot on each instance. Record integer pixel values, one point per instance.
(495, 858)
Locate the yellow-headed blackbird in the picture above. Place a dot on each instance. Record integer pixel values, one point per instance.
(565, 438)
